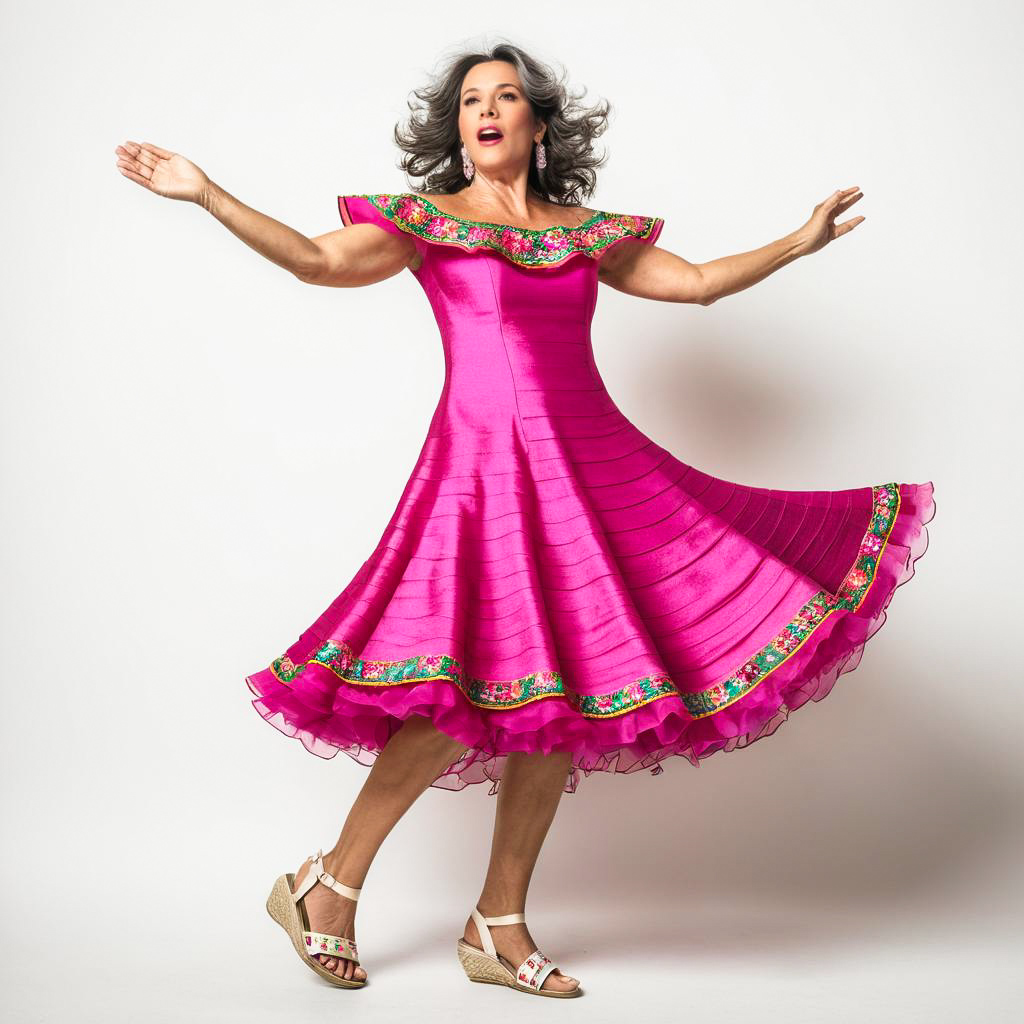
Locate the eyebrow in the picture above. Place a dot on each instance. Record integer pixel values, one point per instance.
(500, 85)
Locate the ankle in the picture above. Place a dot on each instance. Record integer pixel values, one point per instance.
(500, 906)
(340, 868)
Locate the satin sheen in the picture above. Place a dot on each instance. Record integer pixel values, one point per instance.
(541, 531)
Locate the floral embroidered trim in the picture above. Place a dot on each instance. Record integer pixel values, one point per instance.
(336, 945)
(528, 247)
(498, 694)
(531, 967)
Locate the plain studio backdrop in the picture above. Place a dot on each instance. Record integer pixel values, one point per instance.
(199, 452)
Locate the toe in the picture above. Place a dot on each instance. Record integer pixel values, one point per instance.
(556, 979)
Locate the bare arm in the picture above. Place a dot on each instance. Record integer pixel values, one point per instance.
(349, 257)
(651, 272)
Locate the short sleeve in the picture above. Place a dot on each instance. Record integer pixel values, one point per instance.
(357, 209)
(642, 228)
(657, 223)
(617, 227)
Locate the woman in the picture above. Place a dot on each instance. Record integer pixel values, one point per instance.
(555, 592)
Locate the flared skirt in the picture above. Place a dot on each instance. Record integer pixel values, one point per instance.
(593, 594)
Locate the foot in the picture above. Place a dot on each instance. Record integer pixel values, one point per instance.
(333, 914)
(514, 943)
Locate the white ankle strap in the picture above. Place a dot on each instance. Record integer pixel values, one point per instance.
(482, 922)
(317, 873)
(507, 919)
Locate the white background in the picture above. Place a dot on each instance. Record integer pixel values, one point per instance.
(199, 452)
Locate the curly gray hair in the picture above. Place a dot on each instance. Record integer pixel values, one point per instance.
(431, 143)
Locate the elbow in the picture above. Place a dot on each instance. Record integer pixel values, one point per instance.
(314, 269)
(308, 274)
(705, 292)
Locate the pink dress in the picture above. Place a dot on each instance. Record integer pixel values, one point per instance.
(552, 579)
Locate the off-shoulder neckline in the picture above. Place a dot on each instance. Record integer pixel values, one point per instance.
(497, 224)
(527, 247)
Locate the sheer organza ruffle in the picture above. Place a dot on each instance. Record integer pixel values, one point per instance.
(329, 715)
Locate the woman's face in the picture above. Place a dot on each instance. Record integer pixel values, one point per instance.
(491, 96)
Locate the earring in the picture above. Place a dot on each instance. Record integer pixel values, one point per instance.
(468, 167)
(542, 157)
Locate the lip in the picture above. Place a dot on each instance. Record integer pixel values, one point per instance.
(489, 142)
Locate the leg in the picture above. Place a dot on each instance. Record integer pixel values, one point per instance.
(410, 761)
(531, 787)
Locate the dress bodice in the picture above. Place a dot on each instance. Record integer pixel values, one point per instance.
(513, 305)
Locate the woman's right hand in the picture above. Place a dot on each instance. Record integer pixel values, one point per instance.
(349, 257)
(167, 174)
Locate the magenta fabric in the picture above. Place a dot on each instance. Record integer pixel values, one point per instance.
(552, 579)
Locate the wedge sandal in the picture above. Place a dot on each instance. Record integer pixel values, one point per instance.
(487, 965)
(289, 911)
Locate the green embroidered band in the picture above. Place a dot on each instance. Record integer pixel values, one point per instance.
(501, 694)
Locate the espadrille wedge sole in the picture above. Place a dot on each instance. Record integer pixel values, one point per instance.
(489, 967)
(289, 911)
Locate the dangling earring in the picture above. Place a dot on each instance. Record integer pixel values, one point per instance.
(468, 167)
(542, 157)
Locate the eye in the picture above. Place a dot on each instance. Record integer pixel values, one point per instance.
(473, 99)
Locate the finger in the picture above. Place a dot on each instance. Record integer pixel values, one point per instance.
(134, 177)
(129, 165)
(847, 225)
(141, 170)
(141, 156)
(841, 204)
(165, 153)
(838, 196)
(840, 208)
(130, 155)
(147, 159)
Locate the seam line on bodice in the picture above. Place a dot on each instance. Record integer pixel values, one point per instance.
(504, 346)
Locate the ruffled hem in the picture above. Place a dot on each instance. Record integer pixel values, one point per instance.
(329, 715)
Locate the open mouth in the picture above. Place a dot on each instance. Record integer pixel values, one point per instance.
(489, 135)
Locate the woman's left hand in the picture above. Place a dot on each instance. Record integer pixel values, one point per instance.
(821, 228)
